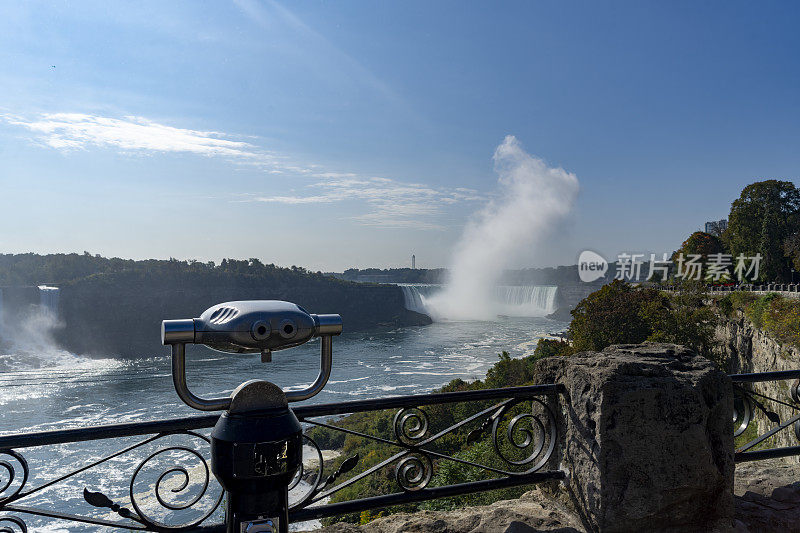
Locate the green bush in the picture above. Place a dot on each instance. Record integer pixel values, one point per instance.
(620, 313)
(611, 315)
(781, 319)
(510, 372)
(755, 310)
(552, 348)
(725, 305)
(451, 473)
(734, 301)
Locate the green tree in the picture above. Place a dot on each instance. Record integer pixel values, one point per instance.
(761, 219)
(791, 249)
(611, 315)
(773, 261)
(702, 244)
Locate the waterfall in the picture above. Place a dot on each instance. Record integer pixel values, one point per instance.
(48, 299)
(416, 296)
(526, 300)
(509, 300)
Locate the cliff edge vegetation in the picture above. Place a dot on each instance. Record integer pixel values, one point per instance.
(776, 315)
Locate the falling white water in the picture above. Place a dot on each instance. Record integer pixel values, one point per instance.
(532, 200)
(509, 300)
(48, 299)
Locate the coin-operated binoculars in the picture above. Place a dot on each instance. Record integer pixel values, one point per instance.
(256, 445)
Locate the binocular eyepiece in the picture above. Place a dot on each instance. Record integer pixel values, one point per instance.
(250, 326)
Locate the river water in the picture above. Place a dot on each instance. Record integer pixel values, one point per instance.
(43, 388)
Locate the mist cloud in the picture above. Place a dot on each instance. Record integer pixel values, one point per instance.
(532, 200)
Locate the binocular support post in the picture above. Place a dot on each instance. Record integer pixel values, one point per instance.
(179, 380)
(222, 404)
(325, 366)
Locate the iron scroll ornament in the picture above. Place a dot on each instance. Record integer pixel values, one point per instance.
(15, 488)
(139, 514)
(415, 463)
(8, 522)
(8, 474)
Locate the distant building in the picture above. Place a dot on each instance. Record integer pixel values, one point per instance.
(716, 227)
(413, 261)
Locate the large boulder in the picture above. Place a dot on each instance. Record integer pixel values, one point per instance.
(647, 438)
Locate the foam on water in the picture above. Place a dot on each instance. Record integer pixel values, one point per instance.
(73, 391)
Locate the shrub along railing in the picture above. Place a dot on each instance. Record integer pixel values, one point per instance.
(167, 477)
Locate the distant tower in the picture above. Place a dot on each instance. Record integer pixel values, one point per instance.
(413, 261)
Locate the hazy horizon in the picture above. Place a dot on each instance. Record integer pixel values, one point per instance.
(353, 135)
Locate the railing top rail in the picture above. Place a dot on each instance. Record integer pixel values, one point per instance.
(110, 431)
(765, 376)
(356, 406)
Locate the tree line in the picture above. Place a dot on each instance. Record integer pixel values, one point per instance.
(59, 269)
(763, 221)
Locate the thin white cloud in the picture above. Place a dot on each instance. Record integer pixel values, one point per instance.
(321, 55)
(393, 204)
(389, 202)
(79, 131)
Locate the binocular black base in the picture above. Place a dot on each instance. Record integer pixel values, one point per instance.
(256, 450)
(240, 518)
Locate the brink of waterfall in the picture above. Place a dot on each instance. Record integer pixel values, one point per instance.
(507, 300)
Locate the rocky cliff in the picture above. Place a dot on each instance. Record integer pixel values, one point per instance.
(751, 350)
(120, 314)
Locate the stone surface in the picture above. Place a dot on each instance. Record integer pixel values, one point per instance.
(767, 497)
(532, 512)
(647, 438)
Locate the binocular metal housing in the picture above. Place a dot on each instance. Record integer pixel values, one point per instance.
(256, 445)
(249, 326)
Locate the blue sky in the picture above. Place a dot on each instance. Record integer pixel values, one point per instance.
(337, 134)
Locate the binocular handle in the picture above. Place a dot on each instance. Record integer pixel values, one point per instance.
(222, 404)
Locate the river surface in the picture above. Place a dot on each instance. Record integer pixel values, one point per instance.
(47, 389)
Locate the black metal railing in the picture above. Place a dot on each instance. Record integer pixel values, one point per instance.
(789, 288)
(162, 482)
(781, 414)
(170, 486)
